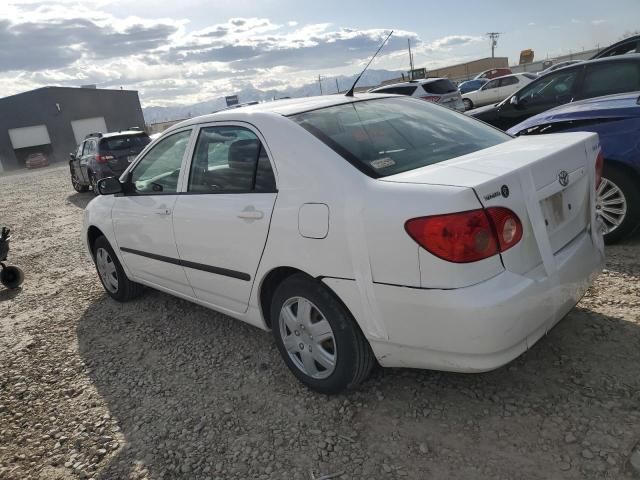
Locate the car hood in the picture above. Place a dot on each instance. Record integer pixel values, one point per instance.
(612, 106)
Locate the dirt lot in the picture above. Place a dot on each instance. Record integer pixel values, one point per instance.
(160, 388)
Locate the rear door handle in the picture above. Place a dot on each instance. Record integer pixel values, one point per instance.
(250, 213)
(163, 211)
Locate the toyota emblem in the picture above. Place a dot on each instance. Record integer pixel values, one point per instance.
(563, 178)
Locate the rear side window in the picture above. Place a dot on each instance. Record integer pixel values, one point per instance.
(391, 135)
(230, 160)
(125, 142)
(407, 90)
(492, 84)
(608, 78)
(439, 87)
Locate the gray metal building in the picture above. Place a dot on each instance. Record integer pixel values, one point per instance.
(53, 120)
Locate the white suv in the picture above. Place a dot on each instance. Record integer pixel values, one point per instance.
(437, 90)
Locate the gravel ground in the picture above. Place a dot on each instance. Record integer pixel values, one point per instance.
(160, 388)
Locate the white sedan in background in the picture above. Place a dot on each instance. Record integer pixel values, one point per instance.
(496, 90)
(358, 229)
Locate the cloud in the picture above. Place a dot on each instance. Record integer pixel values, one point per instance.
(598, 22)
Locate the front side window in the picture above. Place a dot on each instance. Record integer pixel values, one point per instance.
(230, 160)
(391, 135)
(491, 84)
(551, 88)
(611, 77)
(159, 170)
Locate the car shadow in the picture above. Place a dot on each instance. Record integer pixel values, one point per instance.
(8, 294)
(81, 200)
(191, 389)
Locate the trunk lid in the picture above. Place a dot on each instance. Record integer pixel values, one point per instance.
(547, 180)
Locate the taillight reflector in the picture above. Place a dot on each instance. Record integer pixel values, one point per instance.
(469, 236)
(432, 98)
(599, 167)
(104, 158)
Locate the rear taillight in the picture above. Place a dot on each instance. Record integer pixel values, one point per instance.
(104, 158)
(599, 167)
(467, 236)
(432, 98)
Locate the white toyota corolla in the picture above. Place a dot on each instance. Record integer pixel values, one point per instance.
(359, 229)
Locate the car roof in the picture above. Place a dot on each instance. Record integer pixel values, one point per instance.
(281, 107)
(115, 134)
(614, 46)
(421, 81)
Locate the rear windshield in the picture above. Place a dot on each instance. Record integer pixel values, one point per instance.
(386, 136)
(408, 90)
(439, 87)
(126, 142)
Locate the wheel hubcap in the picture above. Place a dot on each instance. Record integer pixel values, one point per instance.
(611, 205)
(308, 338)
(107, 270)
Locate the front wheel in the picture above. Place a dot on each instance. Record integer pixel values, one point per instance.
(468, 104)
(114, 280)
(317, 337)
(618, 204)
(77, 185)
(11, 277)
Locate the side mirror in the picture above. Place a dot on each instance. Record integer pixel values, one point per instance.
(72, 156)
(109, 186)
(514, 101)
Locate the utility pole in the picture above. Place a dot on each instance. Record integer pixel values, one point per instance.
(320, 83)
(337, 86)
(410, 60)
(493, 36)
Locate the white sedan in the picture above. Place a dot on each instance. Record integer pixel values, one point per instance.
(496, 90)
(358, 229)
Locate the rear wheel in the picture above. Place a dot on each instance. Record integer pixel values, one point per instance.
(317, 336)
(618, 204)
(468, 104)
(114, 280)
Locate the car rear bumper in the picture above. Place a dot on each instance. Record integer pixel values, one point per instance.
(484, 326)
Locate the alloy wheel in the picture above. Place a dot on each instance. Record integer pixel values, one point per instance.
(107, 270)
(308, 338)
(611, 205)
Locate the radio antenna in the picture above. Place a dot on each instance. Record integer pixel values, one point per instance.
(350, 92)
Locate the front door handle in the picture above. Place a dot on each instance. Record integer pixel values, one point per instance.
(250, 213)
(163, 211)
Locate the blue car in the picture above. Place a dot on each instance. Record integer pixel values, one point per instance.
(616, 119)
(472, 85)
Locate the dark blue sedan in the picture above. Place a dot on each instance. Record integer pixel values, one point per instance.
(472, 85)
(616, 119)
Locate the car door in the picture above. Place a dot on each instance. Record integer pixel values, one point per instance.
(77, 158)
(222, 219)
(143, 216)
(610, 77)
(555, 88)
(488, 93)
(88, 152)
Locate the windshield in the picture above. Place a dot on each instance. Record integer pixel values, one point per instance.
(386, 136)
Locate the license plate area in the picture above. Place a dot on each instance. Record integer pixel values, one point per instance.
(553, 210)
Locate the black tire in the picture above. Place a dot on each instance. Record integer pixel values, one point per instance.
(468, 104)
(11, 277)
(75, 181)
(625, 183)
(126, 289)
(353, 356)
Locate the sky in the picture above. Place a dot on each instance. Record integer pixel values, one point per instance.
(188, 51)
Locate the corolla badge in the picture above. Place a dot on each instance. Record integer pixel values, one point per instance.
(563, 178)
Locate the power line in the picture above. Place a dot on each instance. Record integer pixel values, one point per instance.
(493, 36)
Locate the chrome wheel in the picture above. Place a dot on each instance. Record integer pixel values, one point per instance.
(308, 338)
(611, 205)
(107, 270)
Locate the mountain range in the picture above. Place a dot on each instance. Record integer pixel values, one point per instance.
(250, 94)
